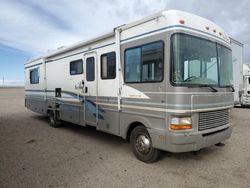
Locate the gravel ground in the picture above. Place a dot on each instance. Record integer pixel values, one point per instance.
(32, 154)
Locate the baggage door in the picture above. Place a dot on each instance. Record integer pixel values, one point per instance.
(90, 89)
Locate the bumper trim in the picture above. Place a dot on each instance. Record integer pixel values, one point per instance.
(186, 143)
(211, 133)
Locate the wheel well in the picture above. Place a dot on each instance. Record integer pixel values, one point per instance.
(49, 109)
(52, 108)
(131, 128)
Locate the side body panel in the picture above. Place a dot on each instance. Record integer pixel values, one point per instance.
(75, 104)
(144, 103)
(35, 95)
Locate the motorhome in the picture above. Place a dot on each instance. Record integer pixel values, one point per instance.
(163, 82)
(245, 91)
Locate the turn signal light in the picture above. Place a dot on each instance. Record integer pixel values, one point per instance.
(180, 127)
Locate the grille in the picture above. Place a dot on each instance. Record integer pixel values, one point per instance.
(209, 120)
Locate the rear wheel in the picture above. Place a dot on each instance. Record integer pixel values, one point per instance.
(53, 120)
(141, 144)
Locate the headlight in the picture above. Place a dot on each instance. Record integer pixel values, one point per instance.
(181, 123)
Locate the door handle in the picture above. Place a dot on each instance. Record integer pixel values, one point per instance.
(86, 89)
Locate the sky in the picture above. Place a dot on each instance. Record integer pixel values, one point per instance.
(30, 28)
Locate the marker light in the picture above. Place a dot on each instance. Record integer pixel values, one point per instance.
(214, 30)
(181, 123)
(220, 33)
(182, 22)
(207, 28)
(180, 127)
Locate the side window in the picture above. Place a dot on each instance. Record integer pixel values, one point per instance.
(76, 67)
(133, 65)
(90, 69)
(108, 66)
(34, 76)
(144, 63)
(152, 62)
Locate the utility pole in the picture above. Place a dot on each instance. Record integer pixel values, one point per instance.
(3, 81)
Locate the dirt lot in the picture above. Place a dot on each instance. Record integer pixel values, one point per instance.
(32, 154)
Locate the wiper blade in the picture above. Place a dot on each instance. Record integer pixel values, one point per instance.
(232, 87)
(202, 85)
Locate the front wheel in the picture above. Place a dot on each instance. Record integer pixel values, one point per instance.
(53, 120)
(141, 144)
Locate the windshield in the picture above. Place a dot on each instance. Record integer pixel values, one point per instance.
(197, 61)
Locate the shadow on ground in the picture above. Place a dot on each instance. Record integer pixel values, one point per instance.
(106, 138)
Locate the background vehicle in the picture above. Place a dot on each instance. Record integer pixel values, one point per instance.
(245, 94)
(163, 82)
(237, 53)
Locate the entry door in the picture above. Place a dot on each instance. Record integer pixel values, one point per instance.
(90, 89)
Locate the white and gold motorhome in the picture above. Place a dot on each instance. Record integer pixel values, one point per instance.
(163, 82)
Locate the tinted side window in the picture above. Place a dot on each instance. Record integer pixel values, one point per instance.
(133, 65)
(144, 63)
(34, 76)
(90, 69)
(76, 67)
(152, 62)
(108, 66)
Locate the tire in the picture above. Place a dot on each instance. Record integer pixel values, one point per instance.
(53, 120)
(141, 144)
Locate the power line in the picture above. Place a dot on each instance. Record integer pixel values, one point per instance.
(3, 80)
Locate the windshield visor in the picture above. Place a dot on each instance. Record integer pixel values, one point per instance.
(196, 61)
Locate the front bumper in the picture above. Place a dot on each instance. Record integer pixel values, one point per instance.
(245, 100)
(193, 141)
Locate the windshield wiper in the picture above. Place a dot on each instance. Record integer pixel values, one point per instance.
(203, 85)
(232, 87)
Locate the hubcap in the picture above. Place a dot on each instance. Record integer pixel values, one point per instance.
(51, 119)
(143, 144)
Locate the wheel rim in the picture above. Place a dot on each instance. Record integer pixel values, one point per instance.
(52, 121)
(143, 144)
